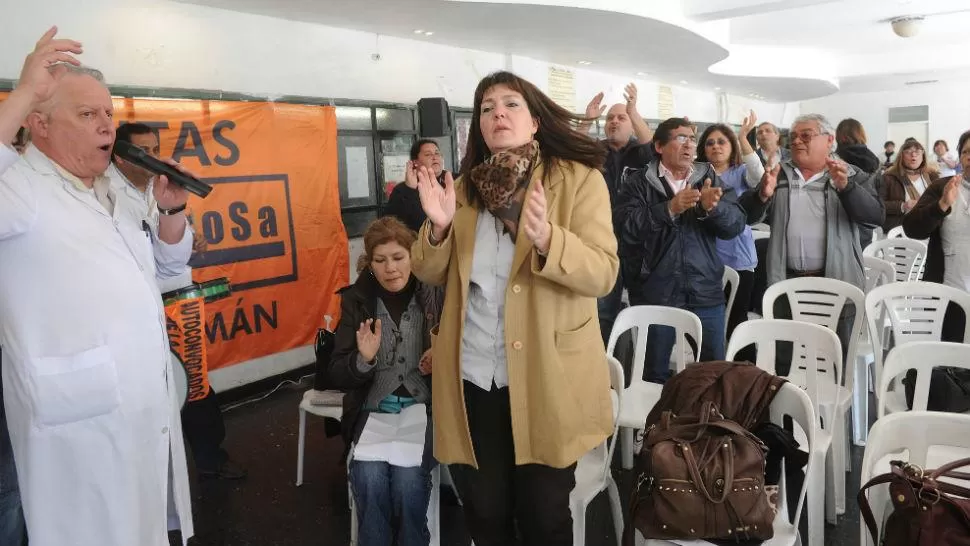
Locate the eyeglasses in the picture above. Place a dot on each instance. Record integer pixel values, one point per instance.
(683, 139)
(804, 136)
(721, 141)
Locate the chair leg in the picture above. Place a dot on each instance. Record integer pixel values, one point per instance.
(816, 504)
(616, 508)
(840, 443)
(860, 402)
(301, 441)
(579, 522)
(626, 447)
(830, 483)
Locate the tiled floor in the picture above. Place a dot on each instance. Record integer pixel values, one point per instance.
(267, 509)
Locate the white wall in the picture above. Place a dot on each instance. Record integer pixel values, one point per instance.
(156, 43)
(948, 106)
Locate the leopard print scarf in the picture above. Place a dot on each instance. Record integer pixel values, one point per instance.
(502, 182)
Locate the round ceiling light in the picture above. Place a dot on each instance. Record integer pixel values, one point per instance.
(906, 27)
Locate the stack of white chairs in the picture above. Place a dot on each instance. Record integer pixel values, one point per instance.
(821, 301)
(906, 255)
(815, 348)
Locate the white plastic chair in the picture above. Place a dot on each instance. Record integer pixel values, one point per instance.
(906, 255)
(922, 356)
(915, 312)
(758, 235)
(878, 272)
(814, 345)
(793, 402)
(821, 301)
(593, 472)
(730, 279)
(639, 398)
(896, 232)
(930, 439)
(334, 412)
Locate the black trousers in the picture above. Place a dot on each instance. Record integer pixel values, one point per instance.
(742, 302)
(205, 431)
(501, 497)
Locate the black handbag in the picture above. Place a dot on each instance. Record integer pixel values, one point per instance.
(949, 389)
(323, 350)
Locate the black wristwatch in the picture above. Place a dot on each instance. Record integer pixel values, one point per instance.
(172, 211)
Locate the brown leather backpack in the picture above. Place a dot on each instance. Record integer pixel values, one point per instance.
(700, 477)
(926, 511)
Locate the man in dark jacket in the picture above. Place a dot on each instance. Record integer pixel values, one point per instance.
(668, 217)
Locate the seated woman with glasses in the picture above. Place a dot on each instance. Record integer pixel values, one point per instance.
(382, 357)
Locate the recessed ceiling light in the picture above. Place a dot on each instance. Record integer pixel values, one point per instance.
(683, 82)
(641, 73)
(717, 88)
(429, 33)
(585, 63)
(419, 31)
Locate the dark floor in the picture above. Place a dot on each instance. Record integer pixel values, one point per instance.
(267, 509)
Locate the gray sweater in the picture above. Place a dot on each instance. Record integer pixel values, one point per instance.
(858, 205)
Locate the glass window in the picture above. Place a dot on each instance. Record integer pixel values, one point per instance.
(395, 119)
(354, 117)
(355, 170)
(355, 223)
(395, 154)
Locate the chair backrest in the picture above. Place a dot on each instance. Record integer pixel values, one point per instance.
(819, 301)
(915, 311)
(906, 255)
(817, 355)
(878, 272)
(616, 384)
(794, 402)
(640, 317)
(912, 431)
(733, 280)
(921, 356)
(760, 234)
(896, 232)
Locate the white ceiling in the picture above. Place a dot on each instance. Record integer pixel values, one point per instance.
(784, 50)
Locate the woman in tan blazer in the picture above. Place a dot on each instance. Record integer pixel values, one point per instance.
(524, 244)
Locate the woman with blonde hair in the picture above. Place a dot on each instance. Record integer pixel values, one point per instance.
(382, 358)
(524, 244)
(905, 182)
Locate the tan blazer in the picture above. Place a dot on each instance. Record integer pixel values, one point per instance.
(559, 383)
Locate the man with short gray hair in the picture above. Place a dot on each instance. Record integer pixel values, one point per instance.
(90, 402)
(769, 145)
(815, 204)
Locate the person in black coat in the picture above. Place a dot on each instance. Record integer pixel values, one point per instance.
(850, 141)
(404, 202)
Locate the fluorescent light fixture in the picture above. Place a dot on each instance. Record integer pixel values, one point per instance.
(585, 63)
(683, 82)
(641, 73)
(717, 88)
(429, 33)
(419, 31)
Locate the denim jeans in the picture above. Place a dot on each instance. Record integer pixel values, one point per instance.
(13, 530)
(661, 340)
(385, 494)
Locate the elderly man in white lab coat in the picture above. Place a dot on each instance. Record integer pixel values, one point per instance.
(90, 403)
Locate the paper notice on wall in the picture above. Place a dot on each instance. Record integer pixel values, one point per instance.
(358, 181)
(562, 87)
(665, 102)
(395, 168)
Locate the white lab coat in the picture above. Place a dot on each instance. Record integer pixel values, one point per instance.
(90, 404)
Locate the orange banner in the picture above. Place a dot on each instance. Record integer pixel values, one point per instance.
(185, 318)
(272, 223)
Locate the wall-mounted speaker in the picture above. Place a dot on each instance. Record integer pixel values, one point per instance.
(434, 116)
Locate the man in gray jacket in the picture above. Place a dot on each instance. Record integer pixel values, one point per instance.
(815, 205)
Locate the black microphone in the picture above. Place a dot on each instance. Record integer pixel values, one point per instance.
(135, 155)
